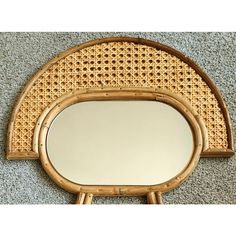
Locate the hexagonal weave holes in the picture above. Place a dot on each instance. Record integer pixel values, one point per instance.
(118, 64)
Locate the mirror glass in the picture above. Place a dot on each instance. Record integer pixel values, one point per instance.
(119, 143)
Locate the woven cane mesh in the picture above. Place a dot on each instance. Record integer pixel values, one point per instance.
(118, 64)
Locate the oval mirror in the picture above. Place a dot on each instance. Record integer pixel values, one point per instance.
(128, 142)
(119, 143)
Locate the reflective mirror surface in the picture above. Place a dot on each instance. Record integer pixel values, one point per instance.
(119, 143)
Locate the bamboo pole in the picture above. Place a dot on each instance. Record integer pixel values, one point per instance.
(154, 198)
(88, 198)
(159, 198)
(151, 198)
(80, 199)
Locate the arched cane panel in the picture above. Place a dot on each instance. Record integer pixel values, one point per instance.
(119, 63)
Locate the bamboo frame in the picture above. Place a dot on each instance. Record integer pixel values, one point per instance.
(153, 192)
(154, 198)
(84, 198)
(33, 154)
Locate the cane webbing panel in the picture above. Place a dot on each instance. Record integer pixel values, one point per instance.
(118, 64)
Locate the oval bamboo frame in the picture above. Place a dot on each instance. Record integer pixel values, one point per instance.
(229, 151)
(153, 192)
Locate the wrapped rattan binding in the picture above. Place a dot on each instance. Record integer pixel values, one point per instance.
(119, 63)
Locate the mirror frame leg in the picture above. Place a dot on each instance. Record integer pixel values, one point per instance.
(84, 198)
(88, 198)
(154, 198)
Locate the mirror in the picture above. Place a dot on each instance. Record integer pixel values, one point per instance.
(119, 116)
(119, 142)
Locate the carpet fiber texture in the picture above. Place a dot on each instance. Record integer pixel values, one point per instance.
(22, 54)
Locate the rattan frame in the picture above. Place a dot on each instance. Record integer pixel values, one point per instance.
(40, 126)
(33, 154)
(86, 192)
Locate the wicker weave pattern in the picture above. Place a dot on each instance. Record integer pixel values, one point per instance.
(119, 64)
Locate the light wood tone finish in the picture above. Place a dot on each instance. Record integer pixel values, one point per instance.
(88, 198)
(80, 198)
(84, 198)
(159, 198)
(130, 94)
(119, 63)
(151, 198)
(154, 198)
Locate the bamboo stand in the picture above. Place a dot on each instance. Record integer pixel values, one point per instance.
(154, 198)
(84, 198)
